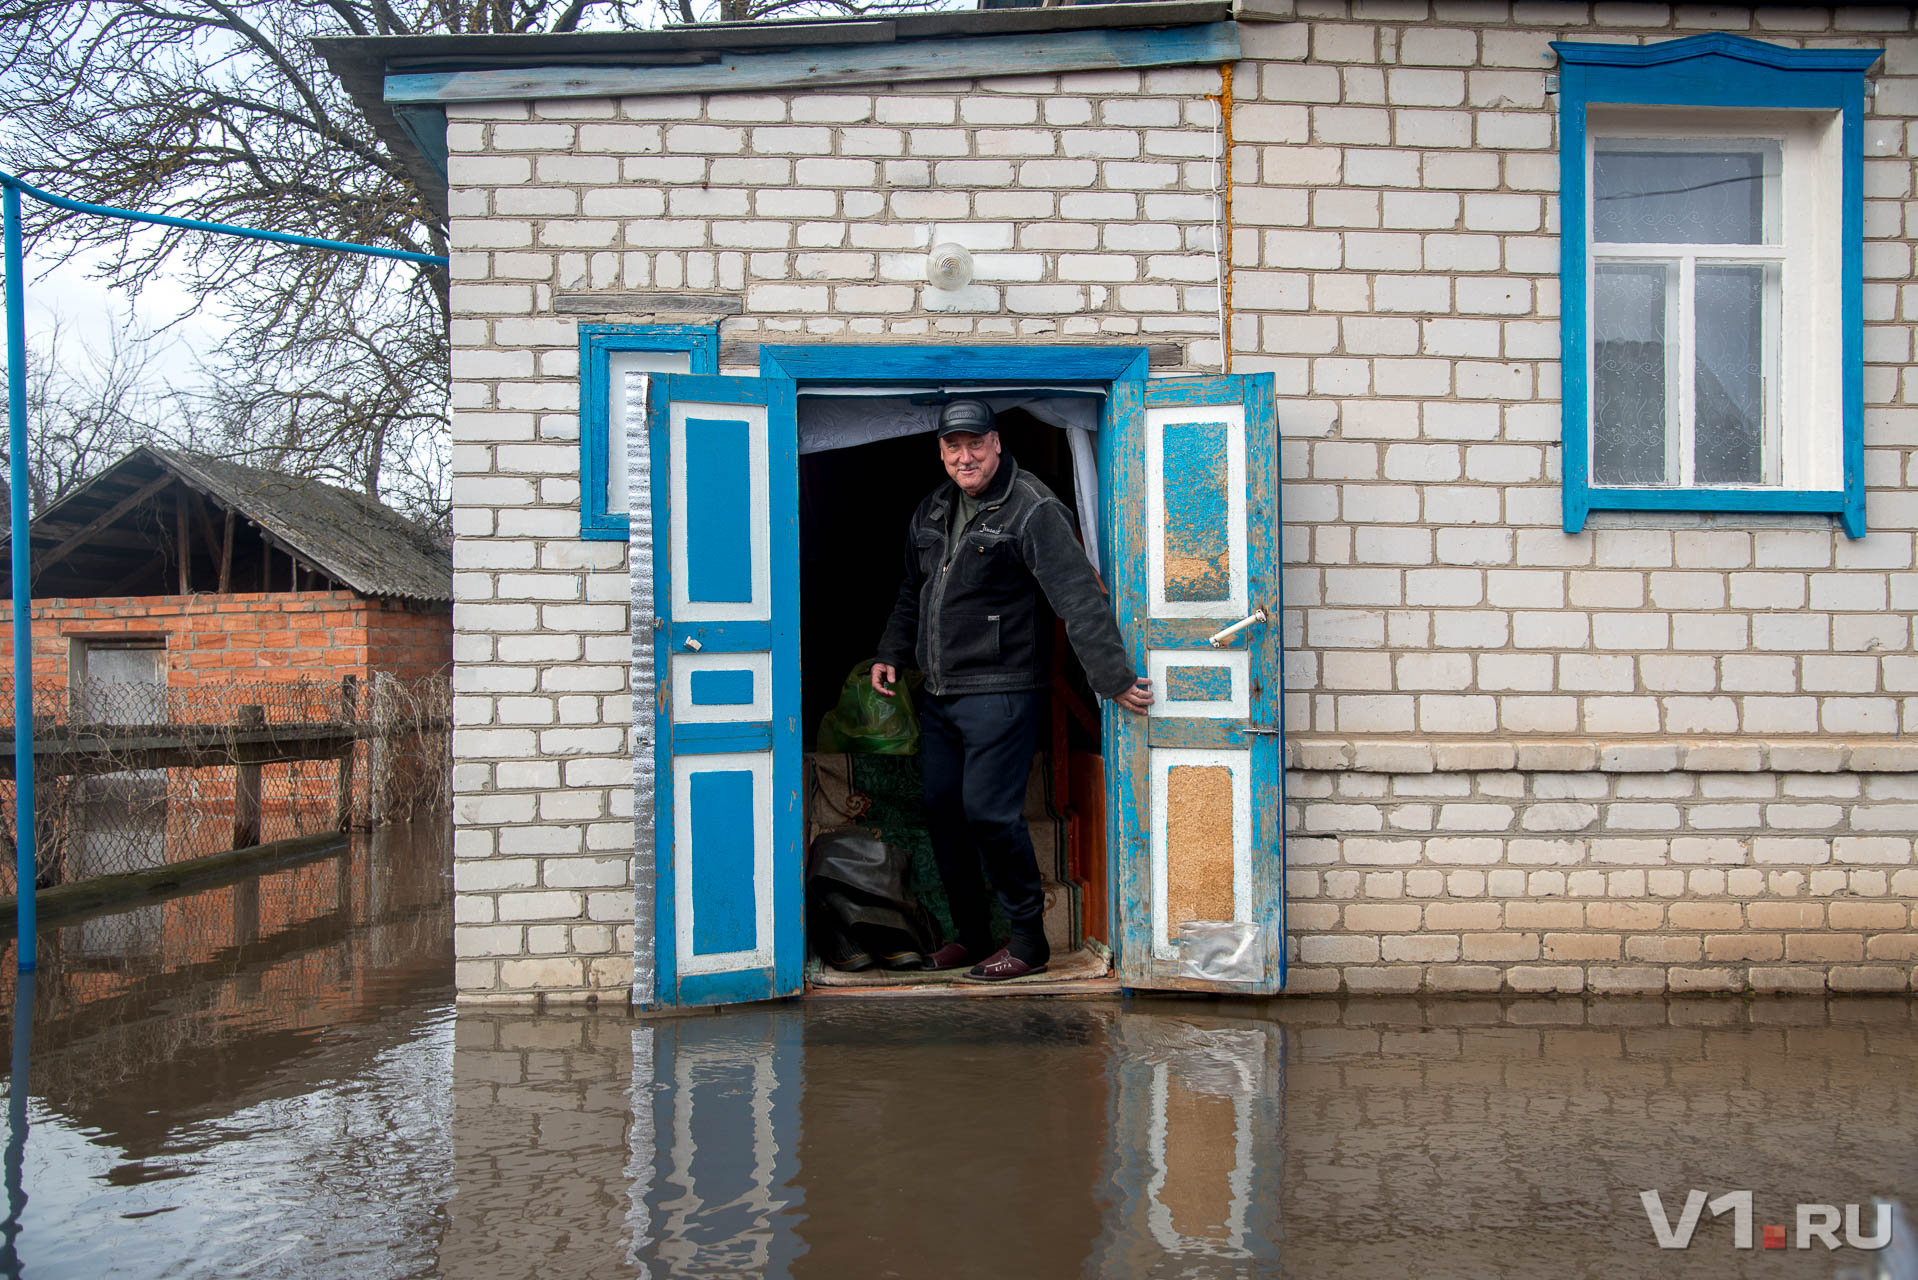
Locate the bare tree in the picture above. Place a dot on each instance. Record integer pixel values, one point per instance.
(220, 110)
(695, 12)
(89, 404)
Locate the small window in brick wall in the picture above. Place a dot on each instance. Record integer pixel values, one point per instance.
(615, 364)
(1712, 264)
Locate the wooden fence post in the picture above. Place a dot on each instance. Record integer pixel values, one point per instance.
(246, 785)
(379, 761)
(349, 709)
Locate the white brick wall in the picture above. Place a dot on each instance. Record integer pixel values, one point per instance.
(1409, 295)
(1088, 202)
(1641, 758)
(1592, 867)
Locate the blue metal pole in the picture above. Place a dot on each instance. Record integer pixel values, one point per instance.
(194, 224)
(23, 811)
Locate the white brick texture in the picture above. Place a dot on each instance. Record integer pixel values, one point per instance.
(1662, 755)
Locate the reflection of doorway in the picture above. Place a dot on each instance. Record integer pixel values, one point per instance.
(1048, 1138)
(854, 506)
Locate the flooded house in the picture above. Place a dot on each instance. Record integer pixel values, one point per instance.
(225, 655)
(1491, 421)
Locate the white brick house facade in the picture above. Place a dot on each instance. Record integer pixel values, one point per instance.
(1662, 754)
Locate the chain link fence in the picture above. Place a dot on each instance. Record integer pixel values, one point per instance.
(130, 776)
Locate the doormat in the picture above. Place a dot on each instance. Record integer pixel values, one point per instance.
(1064, 967)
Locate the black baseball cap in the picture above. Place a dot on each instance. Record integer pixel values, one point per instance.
(974, 416)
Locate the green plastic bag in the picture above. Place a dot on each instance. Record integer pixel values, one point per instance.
(867, 721)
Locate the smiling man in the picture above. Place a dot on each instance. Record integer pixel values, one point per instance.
(981, 552)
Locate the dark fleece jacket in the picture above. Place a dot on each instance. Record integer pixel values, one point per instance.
(971, 620)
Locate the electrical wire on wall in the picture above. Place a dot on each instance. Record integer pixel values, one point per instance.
(1222, 208)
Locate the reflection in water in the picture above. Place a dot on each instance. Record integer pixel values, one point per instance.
(714, 1153)
(1196, 1101)
(281, 1087)
(1167, 1137)
(17, 1125)
(119, 824)
(262, 1072)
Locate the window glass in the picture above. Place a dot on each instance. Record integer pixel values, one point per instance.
(1660, 196)
(1682, 372)
(1736, 308)
(1630, 302)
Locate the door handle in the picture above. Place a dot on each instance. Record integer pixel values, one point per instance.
(1259, 728)
(1257, 615)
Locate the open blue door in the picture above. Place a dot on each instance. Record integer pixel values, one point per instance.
(720, 651)
(1195, 788)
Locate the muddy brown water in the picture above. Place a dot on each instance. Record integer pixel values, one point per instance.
(272, 1079)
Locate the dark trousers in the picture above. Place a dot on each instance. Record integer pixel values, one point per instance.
(976, 752)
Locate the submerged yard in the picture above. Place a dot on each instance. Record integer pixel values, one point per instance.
(271, 1078)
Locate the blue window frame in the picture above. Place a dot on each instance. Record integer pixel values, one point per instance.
(1681, 391)
(606, 352)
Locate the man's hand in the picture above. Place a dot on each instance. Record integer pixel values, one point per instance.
(1135, 699)
(885, 674)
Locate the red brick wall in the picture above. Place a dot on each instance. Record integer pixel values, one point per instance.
(409, 643)
(246, 636)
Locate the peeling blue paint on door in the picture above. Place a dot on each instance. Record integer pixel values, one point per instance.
(1198, 684)
(1196, 562)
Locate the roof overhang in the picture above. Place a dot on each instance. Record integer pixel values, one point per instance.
(92, 535)
(405, 83)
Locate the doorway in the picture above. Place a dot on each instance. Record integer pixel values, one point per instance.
(1185, 477)
(856, 499)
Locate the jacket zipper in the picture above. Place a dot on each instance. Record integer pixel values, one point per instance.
(938, 597)
(934, 678)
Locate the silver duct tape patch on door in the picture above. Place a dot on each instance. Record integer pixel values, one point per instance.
(639, 569)
(1222, 950)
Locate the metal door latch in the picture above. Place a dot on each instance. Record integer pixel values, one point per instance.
(1257, 615)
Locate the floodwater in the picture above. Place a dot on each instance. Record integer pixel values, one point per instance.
(272, 1079)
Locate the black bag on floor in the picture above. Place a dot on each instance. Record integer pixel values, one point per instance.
(860, 908)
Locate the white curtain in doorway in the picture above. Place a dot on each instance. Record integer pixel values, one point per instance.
(842, 417)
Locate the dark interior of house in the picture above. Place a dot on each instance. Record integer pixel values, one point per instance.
(855, 504)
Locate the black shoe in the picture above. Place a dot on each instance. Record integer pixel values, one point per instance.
(851, 961)
(898, 961)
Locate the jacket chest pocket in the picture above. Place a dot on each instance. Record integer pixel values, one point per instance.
(927, 546)
(986, 557)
